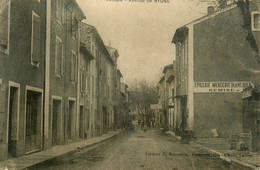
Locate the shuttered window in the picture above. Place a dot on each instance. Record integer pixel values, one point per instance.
(36, 40)
(73, 67)
(82, 83)
(59, 57)
(60, 11)
(4, 22)
(256, 21)
(74, 32)
(87, 85)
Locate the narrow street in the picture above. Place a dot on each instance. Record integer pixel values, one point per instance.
(137, 150)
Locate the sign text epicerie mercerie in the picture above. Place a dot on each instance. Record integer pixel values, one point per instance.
(221, 87)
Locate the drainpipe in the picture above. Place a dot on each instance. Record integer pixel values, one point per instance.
(47, 72)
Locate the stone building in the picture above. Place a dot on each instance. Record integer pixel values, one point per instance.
(58, 81)
(38, 53)
(216, 60)
(86, 120)
(104, 77)
(62, 72)
(166, 93)
(170, 93)
(22, 42)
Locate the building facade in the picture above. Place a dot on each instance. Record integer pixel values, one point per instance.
(214, 64)
(166, 94)
(22, 37)
(62, 72)
(86, 119)
(55, 87)
(105, 81)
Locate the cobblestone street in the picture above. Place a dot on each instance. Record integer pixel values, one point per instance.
(137, 150)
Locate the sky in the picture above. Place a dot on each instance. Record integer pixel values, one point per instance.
(141, 32)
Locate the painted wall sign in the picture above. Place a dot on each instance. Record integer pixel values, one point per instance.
(221, 87)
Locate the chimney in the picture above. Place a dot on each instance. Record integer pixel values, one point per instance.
(210, 10)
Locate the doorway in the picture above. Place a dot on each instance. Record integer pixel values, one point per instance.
(13, 120)
(56, 114)
(183, 113)
(33, 120)
(81, 123)
(70, 123)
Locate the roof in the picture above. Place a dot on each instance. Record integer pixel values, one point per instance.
(181, 30)
(74, 4)
(119, 72)
(179, 34)
(168, 67)
(86, 31)
(112, 51)
(162, 79)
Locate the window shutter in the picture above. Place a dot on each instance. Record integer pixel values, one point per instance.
(81, 82)
(63, 11)
(56, 57)
(87, 85)
(61, 58)
(72, 68)
(4, 7)
(36, 38)
(256, 21)
(76, 68)
(69, 20)
(56, 8)
(74, 27)
(84, 83)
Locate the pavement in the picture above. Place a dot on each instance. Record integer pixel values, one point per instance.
(134, 150)
(27, 161)
(220, 147)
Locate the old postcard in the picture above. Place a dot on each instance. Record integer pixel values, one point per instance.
(129, 84)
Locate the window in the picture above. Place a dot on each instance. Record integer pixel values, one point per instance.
(96, 86)
(255, 21)
(86, 85)
(73, 67)
(60, 11)
(74, 31)
(108, 91)
(93, 86)
(73, 24)
(82, 82)
(186, 52)
(4, 25)
(36, 39)
(58, 57)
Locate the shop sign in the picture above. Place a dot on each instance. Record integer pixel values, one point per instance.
(221, 87)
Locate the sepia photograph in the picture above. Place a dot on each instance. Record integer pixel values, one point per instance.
(129, 84)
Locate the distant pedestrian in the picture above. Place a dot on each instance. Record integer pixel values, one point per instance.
(145, 128)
